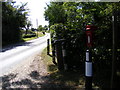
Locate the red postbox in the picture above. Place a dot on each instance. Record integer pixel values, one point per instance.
(89, 34)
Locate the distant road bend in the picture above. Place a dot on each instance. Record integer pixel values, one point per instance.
(13, 56)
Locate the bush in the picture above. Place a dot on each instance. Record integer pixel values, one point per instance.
(29, 35)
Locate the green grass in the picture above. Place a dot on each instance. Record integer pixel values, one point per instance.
(73, 79)
(39, 35)
(67, 78)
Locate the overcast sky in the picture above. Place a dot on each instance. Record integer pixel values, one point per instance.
(36, 11)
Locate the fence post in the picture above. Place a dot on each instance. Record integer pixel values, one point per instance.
(48, 46)
(53, 52)
(59, 55)
(64, 55)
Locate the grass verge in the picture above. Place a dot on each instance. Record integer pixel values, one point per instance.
(71, 79)
(39, 35)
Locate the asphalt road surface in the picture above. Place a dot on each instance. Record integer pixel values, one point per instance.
(12, 56)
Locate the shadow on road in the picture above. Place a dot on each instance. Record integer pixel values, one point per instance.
(12, 46)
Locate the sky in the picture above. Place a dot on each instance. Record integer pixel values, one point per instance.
(36, 11)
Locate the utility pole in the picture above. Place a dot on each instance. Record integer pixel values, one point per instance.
(37, 26)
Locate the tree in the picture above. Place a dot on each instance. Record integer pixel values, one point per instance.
(45, 28)
(75, 17)
(27, 27)
(40, 28)
(13, 19)
(51, 13)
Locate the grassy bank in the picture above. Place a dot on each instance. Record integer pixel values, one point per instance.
(75, 78)
(71, 79)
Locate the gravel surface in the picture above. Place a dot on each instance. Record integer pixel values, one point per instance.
(30, 74)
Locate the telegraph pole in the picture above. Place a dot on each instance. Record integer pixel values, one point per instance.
(37, 26)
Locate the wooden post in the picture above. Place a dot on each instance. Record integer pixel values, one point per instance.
(59, 55)
(64, 55)
(53, 52)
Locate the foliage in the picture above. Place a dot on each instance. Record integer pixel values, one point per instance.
(32, 36)
(43, 29)
(69, 24)
(51, 13)
(27, 27)
(73, 17)
(13, 19)
(40, 28)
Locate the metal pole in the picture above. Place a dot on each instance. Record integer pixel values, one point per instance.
(88, 71)
(114, 51)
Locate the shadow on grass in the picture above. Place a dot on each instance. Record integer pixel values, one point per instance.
(56, 80)
(72, 79)
(102, 78)
(40, 83)
(75, 79)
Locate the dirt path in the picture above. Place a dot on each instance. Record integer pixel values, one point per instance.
(31, 74)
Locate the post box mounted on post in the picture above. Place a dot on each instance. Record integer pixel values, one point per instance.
(89, 33)
(88, 63)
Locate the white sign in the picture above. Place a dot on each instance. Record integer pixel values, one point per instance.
(88, 69)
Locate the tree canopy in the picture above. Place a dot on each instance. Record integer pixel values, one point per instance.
(13, 19)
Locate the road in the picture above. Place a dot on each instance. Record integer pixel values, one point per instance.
(14, 55)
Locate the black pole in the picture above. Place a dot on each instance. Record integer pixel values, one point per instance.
(88, 71)
(48, 46)
(114, 51)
